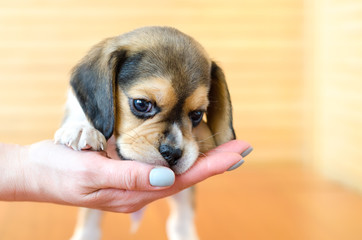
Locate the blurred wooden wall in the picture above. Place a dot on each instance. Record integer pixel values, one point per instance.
(334, 73)
(258, 43)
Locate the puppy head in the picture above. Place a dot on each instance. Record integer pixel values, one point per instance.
(151, 88)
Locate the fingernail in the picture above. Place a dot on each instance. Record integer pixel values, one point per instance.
(236, 165)
(162, 177)
(247, 151)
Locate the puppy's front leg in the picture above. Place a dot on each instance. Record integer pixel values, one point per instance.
(76, 130)
(88, 225)
(180, 224)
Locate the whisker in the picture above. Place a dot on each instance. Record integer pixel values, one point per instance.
(131, 136)
(136, 136)
(213, 135)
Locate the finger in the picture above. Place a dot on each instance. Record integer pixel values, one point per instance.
(112, 148)
(204, 168)
(134, 176)
(215, 163)
(208, 166)
(225, 157)
(237, 146)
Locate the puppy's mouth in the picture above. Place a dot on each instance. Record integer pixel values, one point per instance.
(145, 159)
(179, 166)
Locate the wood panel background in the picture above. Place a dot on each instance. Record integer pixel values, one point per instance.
(337, 81)
(258, 43)
(293, 69)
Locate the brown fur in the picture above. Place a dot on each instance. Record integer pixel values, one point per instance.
(165, 67)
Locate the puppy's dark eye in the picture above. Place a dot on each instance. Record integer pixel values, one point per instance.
(196, 117)
(143, 109)
(142, 105)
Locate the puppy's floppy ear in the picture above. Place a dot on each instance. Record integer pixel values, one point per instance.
(93, 81)
(219, 112)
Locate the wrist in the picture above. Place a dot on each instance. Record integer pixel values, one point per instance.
(26, 179)
(12, 171)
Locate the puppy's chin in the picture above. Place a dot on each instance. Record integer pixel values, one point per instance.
(188, 159)
(152, 157)
(182, 167)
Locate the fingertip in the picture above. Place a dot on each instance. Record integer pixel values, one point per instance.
(247, 152)
(240, 143)
(209, 166)
(237, 146)
(229, 159)
(236, 165)
(235, 160)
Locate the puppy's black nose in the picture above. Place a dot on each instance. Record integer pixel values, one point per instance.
(170, 154)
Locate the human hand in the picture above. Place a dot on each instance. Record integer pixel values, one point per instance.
(57, 174)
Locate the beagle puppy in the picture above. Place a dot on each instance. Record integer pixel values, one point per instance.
(157, 91)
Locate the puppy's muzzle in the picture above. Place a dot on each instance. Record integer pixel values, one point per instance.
(170, 154)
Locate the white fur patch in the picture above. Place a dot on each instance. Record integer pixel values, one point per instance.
(77, 132)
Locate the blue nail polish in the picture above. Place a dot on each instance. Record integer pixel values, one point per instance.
(236, 165)
(162, 177)
(247, 151)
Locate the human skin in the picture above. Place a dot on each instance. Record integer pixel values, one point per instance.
(47, 172)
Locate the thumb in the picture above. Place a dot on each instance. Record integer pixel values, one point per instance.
(134, 176)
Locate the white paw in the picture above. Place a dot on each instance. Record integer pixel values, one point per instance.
(80, 137)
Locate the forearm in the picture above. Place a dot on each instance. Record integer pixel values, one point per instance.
(12, 171)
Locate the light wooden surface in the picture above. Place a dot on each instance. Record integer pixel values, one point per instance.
(262, 49)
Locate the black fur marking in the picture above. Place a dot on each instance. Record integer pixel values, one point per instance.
(96, 99)
(129, 70)
(219, 98)
(175, 116)
(94, 88)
